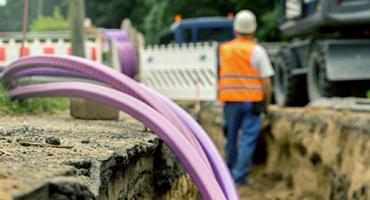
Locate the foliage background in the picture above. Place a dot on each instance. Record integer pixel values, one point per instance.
(148, 16)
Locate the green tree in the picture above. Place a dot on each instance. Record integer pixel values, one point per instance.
(54, 23)
(153, 16)
(269, 28)
(162, 14)
(259, 7)
(11, 15)
(110, 13)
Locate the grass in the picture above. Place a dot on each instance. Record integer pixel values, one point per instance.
(30, 106)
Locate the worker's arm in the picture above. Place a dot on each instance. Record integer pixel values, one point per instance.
(261, 62)
(267, 91)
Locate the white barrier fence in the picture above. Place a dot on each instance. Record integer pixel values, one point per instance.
(54, 44)
(186, 72)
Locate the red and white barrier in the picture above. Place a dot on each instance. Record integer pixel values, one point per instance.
(10, 48)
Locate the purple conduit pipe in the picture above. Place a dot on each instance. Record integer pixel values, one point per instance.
(127, 58)
(47, 71)
(201, 174)
(218, 164)
(116, 34)
(221, 171)
(126, 51)
(104, 74)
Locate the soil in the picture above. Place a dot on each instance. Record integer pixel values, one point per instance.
(298, 151)
(55, 156)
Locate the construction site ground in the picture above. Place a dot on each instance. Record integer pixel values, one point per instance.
(303, 153)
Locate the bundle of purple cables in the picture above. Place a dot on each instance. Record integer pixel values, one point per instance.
(172, 124)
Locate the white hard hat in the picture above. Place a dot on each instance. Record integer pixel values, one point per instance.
(245, 22)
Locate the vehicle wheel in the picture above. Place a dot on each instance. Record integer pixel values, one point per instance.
(317, 82)
(319, 85)
(289, 89)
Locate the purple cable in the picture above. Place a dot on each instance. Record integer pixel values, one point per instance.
(107, 75)
(221, 171)
(127, 57)
(217, 162)
(116, 34)
(201, 174)
(126, 51)
(47, 71)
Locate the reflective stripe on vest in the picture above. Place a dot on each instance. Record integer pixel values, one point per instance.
(239, 80)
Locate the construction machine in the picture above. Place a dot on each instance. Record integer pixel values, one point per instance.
(328, 53)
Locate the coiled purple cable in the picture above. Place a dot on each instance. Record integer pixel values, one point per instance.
(126, 51)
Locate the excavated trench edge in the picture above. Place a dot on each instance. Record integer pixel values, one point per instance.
(100, 173)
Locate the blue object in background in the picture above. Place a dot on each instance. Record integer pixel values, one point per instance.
(200, 29)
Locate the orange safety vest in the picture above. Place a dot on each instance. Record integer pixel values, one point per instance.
(238, 81)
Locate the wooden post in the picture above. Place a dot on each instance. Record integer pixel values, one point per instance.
(76, 18)
(25, 26)
(80, 108)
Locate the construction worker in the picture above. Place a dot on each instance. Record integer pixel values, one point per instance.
(244, 87)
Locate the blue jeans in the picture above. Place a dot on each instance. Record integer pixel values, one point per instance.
(238, 115)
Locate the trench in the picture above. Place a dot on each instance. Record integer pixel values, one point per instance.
(144, 175)
(305, 153)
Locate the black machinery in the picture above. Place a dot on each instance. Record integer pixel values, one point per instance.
(329, 52)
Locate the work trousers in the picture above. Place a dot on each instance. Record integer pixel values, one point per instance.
(238, 117)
